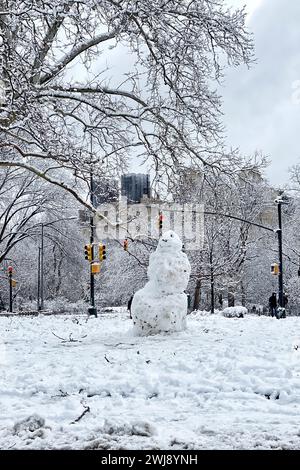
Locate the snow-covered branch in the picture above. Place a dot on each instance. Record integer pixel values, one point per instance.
(75, 52)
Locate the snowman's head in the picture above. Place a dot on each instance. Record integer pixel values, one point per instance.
(170, 241)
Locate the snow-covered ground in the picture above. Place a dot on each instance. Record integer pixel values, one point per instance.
(222, 384)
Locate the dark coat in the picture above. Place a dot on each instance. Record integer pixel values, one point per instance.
(129, 303)
(273, 301)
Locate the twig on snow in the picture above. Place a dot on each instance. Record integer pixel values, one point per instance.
(86, 410)
(70, 340)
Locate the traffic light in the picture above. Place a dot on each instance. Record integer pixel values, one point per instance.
(275, 269)
(102, 252)
(160, 221)
(88, 252)
(125, 245)
(299, 272)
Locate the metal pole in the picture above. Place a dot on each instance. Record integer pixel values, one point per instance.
(39, 281)
(10, 292)
(42, 269)
(280, 277)
(92, 309)
(212, 284)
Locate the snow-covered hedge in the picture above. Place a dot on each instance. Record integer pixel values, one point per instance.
(60, 305)
(234, 312)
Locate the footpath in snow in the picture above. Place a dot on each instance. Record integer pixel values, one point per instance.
(224, 383)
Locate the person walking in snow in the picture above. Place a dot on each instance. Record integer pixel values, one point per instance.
(273, 304)
(189, 302)
(129, 306)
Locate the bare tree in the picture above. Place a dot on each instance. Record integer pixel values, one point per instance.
(160, 108)
(229, 202)
(24, 201)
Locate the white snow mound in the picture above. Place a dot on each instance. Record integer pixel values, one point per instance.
(238, 311)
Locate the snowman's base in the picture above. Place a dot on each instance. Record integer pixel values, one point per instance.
(154, 315)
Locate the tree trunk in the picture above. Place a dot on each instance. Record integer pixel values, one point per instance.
(2, 304)
(197, 295)
(243, 294)
(212, 295)
(230, 297)
(59, 275)
(220, 301)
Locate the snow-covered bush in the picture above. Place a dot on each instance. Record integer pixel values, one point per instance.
(202, 313)
(62, 305)
(59, 305)
(234, 312)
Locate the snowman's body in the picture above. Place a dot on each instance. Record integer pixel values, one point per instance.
(161, 306)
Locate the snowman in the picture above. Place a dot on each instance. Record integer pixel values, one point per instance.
(161, 306)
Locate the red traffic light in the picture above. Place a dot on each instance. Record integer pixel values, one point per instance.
(10, 269)
(125, 245)
(160, 220)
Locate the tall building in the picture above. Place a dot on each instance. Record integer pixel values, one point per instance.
(135, 186)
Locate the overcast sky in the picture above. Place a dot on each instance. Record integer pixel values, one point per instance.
(262, 105)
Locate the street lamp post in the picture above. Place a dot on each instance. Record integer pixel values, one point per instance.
(40, 296)
(279, 201)
(42, 268)
(280, 275)
(92, 310)
(10, 272)
(40, 301)
(39, 280)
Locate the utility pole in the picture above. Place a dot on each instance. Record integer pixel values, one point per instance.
(279, 201)
(280, 276)
(92, 309)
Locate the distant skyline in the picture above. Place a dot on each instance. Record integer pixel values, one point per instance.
(262, 105)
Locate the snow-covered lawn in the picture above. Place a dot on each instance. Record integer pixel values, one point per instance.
(222, 384)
